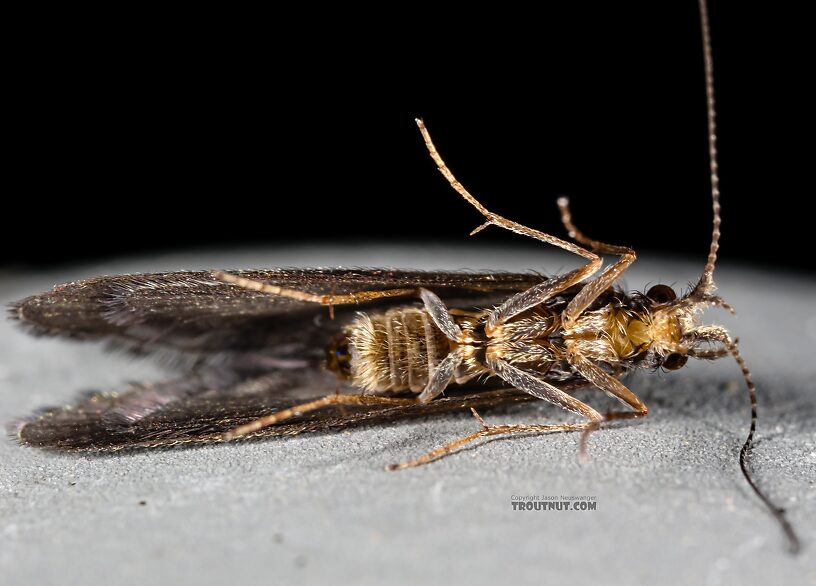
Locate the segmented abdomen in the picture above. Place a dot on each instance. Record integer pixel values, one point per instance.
(395, 351)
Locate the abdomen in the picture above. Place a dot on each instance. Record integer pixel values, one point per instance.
(395, 350)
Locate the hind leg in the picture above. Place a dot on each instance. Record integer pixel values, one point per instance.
(297, 410)
(485, 431)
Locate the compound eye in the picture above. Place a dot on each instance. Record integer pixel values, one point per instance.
(661, 294)
(675, 361)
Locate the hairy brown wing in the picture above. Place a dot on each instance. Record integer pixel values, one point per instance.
(254, 353)
(196, 410)
(192, 312)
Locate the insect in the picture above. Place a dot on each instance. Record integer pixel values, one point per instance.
(260, 354)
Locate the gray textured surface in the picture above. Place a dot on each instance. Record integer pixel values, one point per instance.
(672, 505)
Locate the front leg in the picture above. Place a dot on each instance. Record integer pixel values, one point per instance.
(612, 387)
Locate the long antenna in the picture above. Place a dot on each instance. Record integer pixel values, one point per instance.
(706, 285)
(779, 513)
(705, 288)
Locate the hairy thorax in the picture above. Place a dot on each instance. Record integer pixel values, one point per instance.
(614, 334)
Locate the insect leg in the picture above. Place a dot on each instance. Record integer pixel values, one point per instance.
(441, 376)
(433, 304)
(331, 299)
(487, 430)
(594, 288)
(589, 370)
(538, 294)
(360, 400)
(612, 387)
(492, 218)
(591, 290)
(530, 384)
(575, 233)
(441, 316)
(527, 383)
(606, 382)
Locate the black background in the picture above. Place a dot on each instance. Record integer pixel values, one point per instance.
(143, 132)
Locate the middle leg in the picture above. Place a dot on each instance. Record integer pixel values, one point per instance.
(612, 273)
